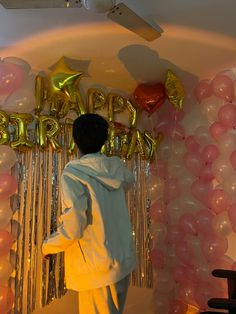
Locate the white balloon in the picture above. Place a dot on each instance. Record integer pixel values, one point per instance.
(210, 107)
(178, 149)
(159, 232)
(193, 120)
(175, 167)
(165, 149)
(99, 6)
(202, 135)
(228, 73)
(227, 143)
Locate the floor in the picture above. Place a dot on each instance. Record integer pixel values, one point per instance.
(138, 301)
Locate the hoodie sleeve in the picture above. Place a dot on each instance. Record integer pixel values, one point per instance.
(73, 219)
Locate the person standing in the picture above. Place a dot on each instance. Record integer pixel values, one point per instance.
(95, 230)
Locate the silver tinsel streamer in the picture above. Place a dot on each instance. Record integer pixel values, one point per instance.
(36, 209)
(139, 206)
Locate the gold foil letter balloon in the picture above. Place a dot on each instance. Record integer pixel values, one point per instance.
(21, 122)
(96, 100)
(48, 129)
(4, 134)
(174, 90)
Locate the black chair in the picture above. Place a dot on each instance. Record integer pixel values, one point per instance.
(229, 305)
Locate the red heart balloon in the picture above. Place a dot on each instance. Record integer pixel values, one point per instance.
(150, 97)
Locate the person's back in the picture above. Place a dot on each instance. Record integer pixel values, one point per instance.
(95, 232)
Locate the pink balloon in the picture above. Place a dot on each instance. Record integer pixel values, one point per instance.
(210, 153)
(229, 185)
(19, 62)
(225, 262)
(218, 200)
(184, 252)
(159, 168)
(187, 224)
(160, 302)
(182, 272)
(227, 143)
(164, 283)
(203, 90)
(232, 216)
(6, 299)
(202, 271)
(174, 234)
(5, 269)
(228, 73)
(7, 158)
(206, 173)
(187, 291)
(233, 159)
(179, 273)
(200, 190)
(203, 292)
(175, 132)
(191, 144)
(227, 115)
(203, 220)
(193, 162)
(157, 258)
(175, 114)
(172, 189)
(5, 213)
(174, 210)
(223, 87)
(158, 212)
(11, 77)
(222, 225)
(159, 232)
(6, 242)
(214, 247)
(171, 259)
(20, 101)
(234, 266)
(177, 307)
(8, 186)
(217, 129)
(162, 125)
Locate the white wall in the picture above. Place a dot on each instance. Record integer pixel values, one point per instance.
(199, 40)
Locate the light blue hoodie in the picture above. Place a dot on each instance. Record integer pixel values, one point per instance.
(95, 230)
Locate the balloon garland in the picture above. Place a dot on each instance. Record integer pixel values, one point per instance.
(43, 143)
(193, 219)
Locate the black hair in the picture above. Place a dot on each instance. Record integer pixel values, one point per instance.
(90, 132)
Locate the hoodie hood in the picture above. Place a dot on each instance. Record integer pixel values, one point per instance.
(110, 171)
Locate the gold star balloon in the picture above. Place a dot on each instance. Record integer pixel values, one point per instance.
(62, 78)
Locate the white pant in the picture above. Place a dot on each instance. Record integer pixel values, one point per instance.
(106, 300)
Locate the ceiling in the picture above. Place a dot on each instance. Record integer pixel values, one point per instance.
(199, 39)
